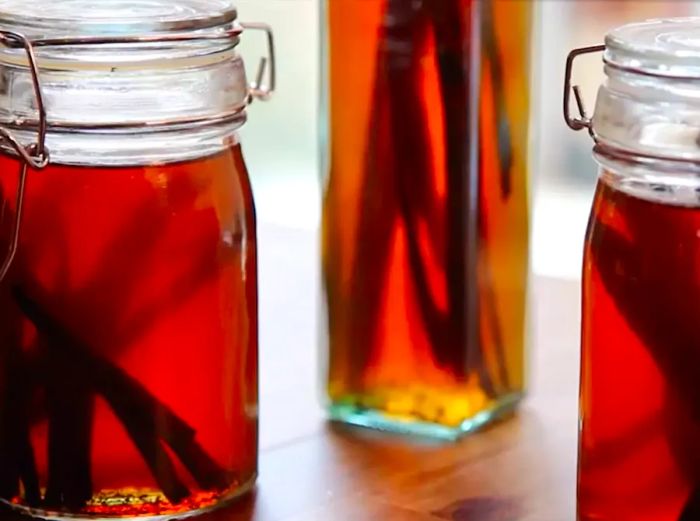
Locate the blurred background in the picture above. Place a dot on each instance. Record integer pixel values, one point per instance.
(281, 137)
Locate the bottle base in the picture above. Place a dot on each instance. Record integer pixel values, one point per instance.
(359, 416)
(175, 513)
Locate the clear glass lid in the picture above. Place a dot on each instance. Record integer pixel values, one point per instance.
(150, 22)
(111, 71)
(650, 103)
(666, 47)
(48, 18)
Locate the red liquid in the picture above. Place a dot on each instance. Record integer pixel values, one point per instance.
(640, 391)
(153, 270)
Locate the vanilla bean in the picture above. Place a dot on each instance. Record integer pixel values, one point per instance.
(464, 176)
(207, 473)
(454, 335)
(458, 72)
(370, 263)
(141, 412)
(504, 138)
(17, 461)
(397, 183)
(95, 373)
(406, 29)
(494, 323)
(26, 381)
(505, 161)
(691, 510)
(27, 466)
(70, 415)
(146, 440)
(453, 42)
(148, 421)
(377, 219)
(145, 418)
(9, 465)
(70, 427)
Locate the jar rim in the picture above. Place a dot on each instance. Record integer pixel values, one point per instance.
(662, 47)
(50, 19)
(137, 34)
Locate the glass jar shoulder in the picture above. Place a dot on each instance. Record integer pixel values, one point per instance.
(643, 226)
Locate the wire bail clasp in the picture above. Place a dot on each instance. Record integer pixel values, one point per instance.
(258, 89)
(36, 154)
(577, 123)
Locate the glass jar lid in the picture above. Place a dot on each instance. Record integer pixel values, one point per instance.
(122, 67)
(665, 47)
(648, 108)
(134, 33)
(49, 18)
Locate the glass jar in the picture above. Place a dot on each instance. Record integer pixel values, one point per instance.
(639, 455)
(128, 360)
(425, 213)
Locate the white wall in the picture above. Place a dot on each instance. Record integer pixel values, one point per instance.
(280, 138)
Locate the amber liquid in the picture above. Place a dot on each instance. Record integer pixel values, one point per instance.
(425, 225)
(128, 370)
(640, 398)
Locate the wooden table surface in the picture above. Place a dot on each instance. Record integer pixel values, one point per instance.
(522, 469)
